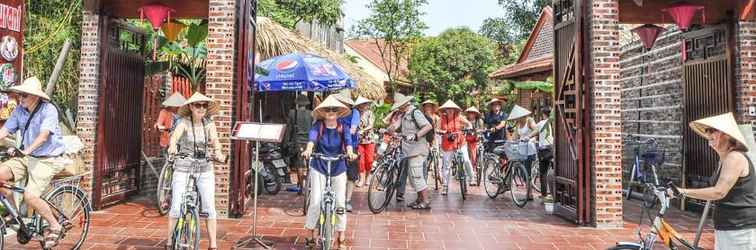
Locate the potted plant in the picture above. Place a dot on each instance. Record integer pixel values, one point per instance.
(548, 203)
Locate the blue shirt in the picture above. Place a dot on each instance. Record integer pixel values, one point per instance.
(46, 118)
(352, 121)
(329, 143)
(492, 120)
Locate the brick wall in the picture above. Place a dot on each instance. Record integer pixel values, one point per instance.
(745, 70)
(220, 76)
(604, 55)
(89, 65)
(652, 98)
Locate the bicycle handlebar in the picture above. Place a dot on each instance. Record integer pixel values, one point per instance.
(326, 157)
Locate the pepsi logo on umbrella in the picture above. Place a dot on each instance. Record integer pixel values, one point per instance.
(286, 65)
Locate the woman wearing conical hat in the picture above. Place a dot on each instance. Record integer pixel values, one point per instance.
(167, 117)
(366, 147)
(525, 130)
(192, 143)
(453, 140)
(330, 137)
(735, 188)
(474, 116)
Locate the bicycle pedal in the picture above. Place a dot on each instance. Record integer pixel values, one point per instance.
(340, 210)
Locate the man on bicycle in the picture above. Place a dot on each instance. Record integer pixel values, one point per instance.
(452, 140)
(494, 120)
(41, 151)
(413, 126)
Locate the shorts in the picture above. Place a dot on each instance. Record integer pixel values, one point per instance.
(744, 239)
(296, 161)
(417, 173)
(353, 170)
(38, 171)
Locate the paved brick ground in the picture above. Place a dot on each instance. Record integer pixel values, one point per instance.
(477, 223)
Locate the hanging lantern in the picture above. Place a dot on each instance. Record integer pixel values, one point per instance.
(156, 13)
(683, 14)
(648, 34)
(172, 30)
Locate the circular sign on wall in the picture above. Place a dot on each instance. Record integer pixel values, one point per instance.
(8, 76)
(9, 48)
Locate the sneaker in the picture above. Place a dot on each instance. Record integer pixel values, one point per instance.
(400, 197)
(445, 191)
(349, 206)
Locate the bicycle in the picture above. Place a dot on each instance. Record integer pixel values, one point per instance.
(660, 229)
(431, 165)
(68, 203)
(385, 176)
(164, 188)
(535, 174)
(480, 150)
(508, 174)
(651, 159)
(328, 209)
(186, 232)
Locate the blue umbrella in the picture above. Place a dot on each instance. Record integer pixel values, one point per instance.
(300, 72)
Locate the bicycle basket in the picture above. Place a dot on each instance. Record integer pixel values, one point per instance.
(653, 156)
(516, 151)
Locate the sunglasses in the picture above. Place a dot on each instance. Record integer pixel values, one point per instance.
(23, 95)
(709, 130)
(200, 105)
(331, 110)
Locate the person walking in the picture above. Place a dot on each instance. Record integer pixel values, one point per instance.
(474, 117)
(545, 148)
(167, 118)
(413, 126)
(352, 122)
(453, 140)
(330, 137)
(298, 129)
(734, 189)
(195, 135)
(366, 147)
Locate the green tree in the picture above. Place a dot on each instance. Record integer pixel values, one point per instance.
(394, 25)
(290, 12)
(520, 16)
(47, 24)
(454, 65)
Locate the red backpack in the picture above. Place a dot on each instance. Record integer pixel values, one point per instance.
(339, 130)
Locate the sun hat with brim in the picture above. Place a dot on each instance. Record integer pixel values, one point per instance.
(330, 102)
(429, 102)
(31, 86)
(344, 98)
(361, 100)
(175, 100)
(400, 100)
(725, 123)
(450, 105)
(473, 110)
(518, 112)
(495, 100)
(212, 106)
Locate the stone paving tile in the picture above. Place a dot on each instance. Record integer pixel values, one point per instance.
(476, 223)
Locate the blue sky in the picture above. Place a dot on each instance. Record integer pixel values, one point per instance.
(439, 14)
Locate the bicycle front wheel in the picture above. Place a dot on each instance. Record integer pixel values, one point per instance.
(518, 183)
(462, 180)
(71, 207)
(186, 234)
(491, 178)
(328, 224)
(164, 189)
(306, 192)
(380, 189)
(535, 177)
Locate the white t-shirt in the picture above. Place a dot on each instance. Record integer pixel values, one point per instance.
(545, 137)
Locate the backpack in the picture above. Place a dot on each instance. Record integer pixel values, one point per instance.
(430, 135)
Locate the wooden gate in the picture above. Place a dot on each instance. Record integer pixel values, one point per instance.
(119, 129)
(708, 87)
(572, 169)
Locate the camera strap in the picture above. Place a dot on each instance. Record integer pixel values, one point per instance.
(194, 135)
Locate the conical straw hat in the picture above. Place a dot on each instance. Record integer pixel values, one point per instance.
(495, 100)
(31, 86)
(431, 102)
(212, 108)
(725, 123)
(518, 112)
(344, 97)
(330, 102)
(473, 110)
(450, 105)
(361, 100)
(175, 100)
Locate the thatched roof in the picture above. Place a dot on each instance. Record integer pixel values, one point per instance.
(275, 40)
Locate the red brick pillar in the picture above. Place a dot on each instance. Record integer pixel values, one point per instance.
(745, 70)
(89, 78)
(220, 74)
(603, 79)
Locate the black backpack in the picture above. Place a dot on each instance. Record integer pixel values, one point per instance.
(430, 135)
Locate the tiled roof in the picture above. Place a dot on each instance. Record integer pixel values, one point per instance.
(368, 49)
(531, 66)
(537, 55)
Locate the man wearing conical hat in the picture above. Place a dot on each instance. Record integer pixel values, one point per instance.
(495, 119)
(735, 188)
(413, 126)
(299, 123)
(453, 141)
(41, 150)
(167, 117)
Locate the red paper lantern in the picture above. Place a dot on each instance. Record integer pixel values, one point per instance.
(683, 14)
(157, 14)
(648, 34)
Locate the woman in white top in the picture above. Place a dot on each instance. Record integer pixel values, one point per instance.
(545, 151)
(525, 130)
